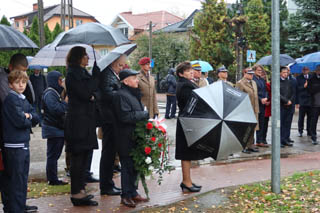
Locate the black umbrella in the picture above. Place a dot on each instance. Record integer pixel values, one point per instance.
(11, 39)
(218, 119)
(126, 49)
(284, 60)
(92, 34)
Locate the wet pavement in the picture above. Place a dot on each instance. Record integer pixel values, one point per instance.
(237, 169)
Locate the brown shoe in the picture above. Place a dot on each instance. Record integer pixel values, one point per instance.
(128, 202)
(138, 199)
(262, 145)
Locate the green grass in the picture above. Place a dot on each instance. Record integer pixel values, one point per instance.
(42, 189)
(299, 193)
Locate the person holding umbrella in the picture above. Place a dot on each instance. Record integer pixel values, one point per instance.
(147, 87)
(184, 89)
(108, 86)
(80, 127)
(247, 85)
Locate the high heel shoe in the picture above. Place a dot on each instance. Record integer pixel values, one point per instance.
(86, 201)
(184, 188)
(197, 186)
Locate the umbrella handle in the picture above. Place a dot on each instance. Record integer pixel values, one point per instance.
(94, 54)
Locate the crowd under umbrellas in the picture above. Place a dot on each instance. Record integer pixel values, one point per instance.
(218, 118)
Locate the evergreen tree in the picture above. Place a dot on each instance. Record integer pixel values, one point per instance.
(304, 28)
(56, 31)
(209, 39)
(257, 28)
(34, 31)
(47, 34)
(5, 21)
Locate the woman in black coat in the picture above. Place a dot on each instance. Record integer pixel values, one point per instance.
(80, 132)
(183, 152)
(129, 110)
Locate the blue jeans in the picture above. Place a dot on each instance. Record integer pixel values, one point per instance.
(54, 150)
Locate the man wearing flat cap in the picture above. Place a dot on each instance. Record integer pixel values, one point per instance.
(198, 79)
(147, 87)
(222, 73)
(128, 111)
(249, 86)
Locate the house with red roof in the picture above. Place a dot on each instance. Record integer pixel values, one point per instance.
(133, 25)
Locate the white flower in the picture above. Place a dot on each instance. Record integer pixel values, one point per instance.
(148, 160)
(151, 168)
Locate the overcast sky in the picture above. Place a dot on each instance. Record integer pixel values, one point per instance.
(106, 10)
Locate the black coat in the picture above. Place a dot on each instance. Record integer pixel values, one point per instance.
(183, 152)
(172, 82)
(286, 92)
(128, 110)
(80, 128)
(108, 86)
(262, 91)
(314, 89)
(39, 84)
(304, 97)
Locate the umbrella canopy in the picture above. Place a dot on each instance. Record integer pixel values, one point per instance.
(11, 39)
(205, 66)
(284, 60)
(50, 55)
(218, 119)
(34, 67)
(126, 49)
(311, 61)
(92, 34)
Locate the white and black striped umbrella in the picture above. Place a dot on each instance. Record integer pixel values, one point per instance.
(218, 119)
(11, 39)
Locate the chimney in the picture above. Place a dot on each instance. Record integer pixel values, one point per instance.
(35, 7)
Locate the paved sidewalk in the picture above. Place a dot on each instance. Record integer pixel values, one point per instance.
(209, 176)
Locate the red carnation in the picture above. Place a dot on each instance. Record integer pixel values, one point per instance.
(159, 145)
(147, 150)
(153, 139)
(149, 126)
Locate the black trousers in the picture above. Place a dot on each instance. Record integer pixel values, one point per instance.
(108, 155)
(77, 171)
(303, 111)
(128, 178)
(285, 113)
(171, 106)
(54, 150)
(15, 177)
(291, 113)
(265, 129)
(315, 112)
(259, 133)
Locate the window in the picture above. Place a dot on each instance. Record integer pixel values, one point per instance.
(78, 22)
(66, 22)
(17, 24)
(104, 52)
(25, 22)
(124, 31)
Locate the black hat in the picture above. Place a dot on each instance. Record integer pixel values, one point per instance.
(126, 73)
(222, 69)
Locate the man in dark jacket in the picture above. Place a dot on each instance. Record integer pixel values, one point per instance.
(304, 99)
(53, 125)
(108, 86)
(129, 110)
(39, 84)
(286, 101)
(171, 106)
(263, 99)
(313, 87)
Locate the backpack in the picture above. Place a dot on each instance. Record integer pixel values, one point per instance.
(164, 83)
